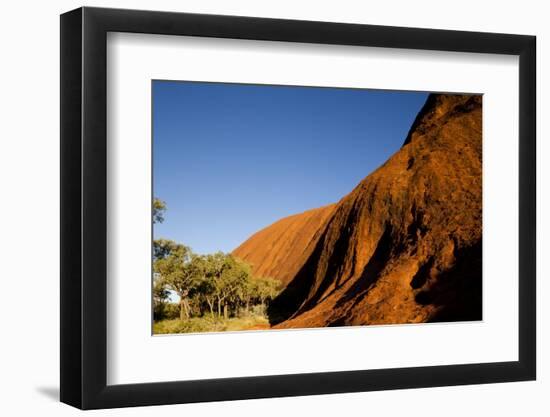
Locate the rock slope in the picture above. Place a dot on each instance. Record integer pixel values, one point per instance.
(403, 247)
(279, 250)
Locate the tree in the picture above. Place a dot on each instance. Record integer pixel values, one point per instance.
(159, 207)
(164, 247)
(218, 283)
(234, 280)
(161, 249)
(247, 293)
(215, 265)
(206, 289)
(160, 297)
(227, 276)
(180, 271)
(267, 289)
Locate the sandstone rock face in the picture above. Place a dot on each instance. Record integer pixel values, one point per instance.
(403, 247)
(279, 250)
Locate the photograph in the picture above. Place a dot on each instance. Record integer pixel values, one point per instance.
(270, 209)
(295, 207)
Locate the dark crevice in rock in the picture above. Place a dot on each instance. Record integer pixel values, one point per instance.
(422, 275)
(457, 291)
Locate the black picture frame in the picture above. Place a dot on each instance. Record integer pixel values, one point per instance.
(84, 207)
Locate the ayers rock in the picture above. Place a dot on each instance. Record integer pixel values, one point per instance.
(403, 247)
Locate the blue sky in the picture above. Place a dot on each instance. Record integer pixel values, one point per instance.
(230, 159)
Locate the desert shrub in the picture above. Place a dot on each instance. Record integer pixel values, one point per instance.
(192, 325)
(165, 311)
(210, 324)
(171, 311)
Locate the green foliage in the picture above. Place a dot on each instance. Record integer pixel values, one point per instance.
(166, 311)
(213, 288)
(216, 285)
(267, 289)
(160, 299)
(159, 207)
(163, 247)
(179, 270)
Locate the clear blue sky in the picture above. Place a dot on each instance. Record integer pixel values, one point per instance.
(230, 159)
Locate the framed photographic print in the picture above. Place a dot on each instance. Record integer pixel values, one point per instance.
(291, 208)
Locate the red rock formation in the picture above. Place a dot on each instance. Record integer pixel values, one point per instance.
(281, 249)
(404, 246)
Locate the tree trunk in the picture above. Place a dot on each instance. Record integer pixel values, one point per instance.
(219, 307)
(225, 312)
(187, 308)
(211, 305)
(184, 312)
